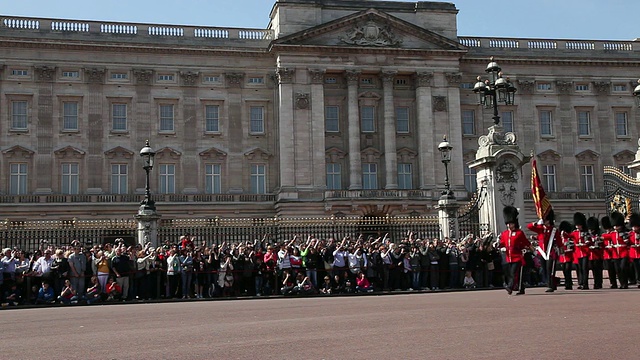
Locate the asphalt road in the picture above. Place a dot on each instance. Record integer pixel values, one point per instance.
(595, 324)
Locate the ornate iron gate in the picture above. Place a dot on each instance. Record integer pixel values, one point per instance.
(621, 191)
(469, 216)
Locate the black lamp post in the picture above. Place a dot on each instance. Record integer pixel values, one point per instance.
(495, 90)
(445, 151)
(148, 155)
(636, 94)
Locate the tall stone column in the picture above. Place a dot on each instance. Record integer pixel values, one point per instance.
(355, 162)
(390, 156)
(452, 105)
(45, 76)
(426, 144)
(95, 153)
(319, 173)
(189, 129)
(286, 129)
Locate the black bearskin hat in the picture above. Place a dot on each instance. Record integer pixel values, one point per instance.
(617, 219)
(593, 224)
(551, 216)
(634, 220)
(565, 226)
(606, 223)
(510, 215)
(580, 219)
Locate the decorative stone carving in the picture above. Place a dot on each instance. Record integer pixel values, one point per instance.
(508, 193)
(333, 154)
(602, 87)
(439, 103)
(257, 154)
(143, 76)
(370, 155)
(119, 152)
(496, 137)
(424, 79)
(18, 151)
(453, 79)
(371, 34)
(549, 156)
(526, 86)
(234, 79)
(506, 172)
(388, 76)
(352, 76)
(95, 75)
(69, 152)
(168, 152)
(317, 76)
(213, 153)
(189, 78)
(564, 87)
(406, 155)
(285, 75)
(624, 156)
(302, 101)
(588, 155)
(45, 73)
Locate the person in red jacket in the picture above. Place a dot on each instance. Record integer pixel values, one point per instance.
(634, 251)
(607, 254)
(549, 241)
(513, 242)
(581, 254)
(596, 251)
(618, 241)
(566, 253)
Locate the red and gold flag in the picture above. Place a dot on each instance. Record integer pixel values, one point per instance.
(542, 204)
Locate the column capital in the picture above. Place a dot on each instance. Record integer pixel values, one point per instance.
(45, 73)
(234, 79)
(189, 78)
(352, 76)
(388, 76)
(423, 79)
(143, 76)
(453, 79)
(95, 75)
(285, 75)
(317, 75)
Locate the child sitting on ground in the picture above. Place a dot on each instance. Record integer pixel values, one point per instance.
(469, 283)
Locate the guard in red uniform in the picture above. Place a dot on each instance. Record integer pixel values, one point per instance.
(513, 242)
(634, 250)
(566, 253)
(596, 250)
(549, 241)
(581, 254)
(607, 254)
(618, 241)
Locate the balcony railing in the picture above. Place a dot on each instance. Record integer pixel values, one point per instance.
(575, 195)
(549, 44)
(133, 198)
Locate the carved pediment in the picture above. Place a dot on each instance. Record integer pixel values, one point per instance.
(18, 152)
(168, 153)
(214, 154)
(406, 155)
(257, 154)
(369, 28)
(333, 154)
(624, 157)
(370, 155)
(587, 155)
(549, 155)
(370, 95)
(119, 152)
(68, 152)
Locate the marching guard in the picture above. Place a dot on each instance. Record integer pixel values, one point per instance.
(596, 251)
(581, 253)
(607, 254)
(634, 251)
(566, 253)
(513, 242)
(549, 242)
(618, 242)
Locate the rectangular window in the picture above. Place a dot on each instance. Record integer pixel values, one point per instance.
(544, 86)
(619, 87)
(70, 178)
(256, 80)
(119, 179)
(584, 123)
(213, 178)
(468, 122)
(367, 119)
(166, 118)
(330, 80)
(18, 179)
(467, 86)
(587, 178)
(366, 81)
(119, 76)
(70, 116)
(19, 72)
(625, 169)
(71, 74)
(119, 117)
(167, 179)
(549, 178)
(212, 118)
(405, 181)
(332, 118)
(545, 123)
(165, 77)
(401, 82)
(18, 115)
(507, 121)
(582, 87)
(258, 179)
(470, 179)
(257, 120)
(369, 176)
(402, 120)
(622, 127)
(211, 79)
(334, 176)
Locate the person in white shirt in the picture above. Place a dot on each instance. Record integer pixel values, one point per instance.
(9, 262)
(358, 261)
(42, 266)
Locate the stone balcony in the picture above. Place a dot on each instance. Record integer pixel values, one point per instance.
(135, 198)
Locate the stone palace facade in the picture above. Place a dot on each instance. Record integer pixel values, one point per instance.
(337, 107)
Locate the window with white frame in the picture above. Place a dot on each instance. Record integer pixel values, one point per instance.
(211, 79)
(506, 118)
(166, 117)
(165, 77)
(70, 178)
(582, 87)
(18, 179)
(256, 80)
(70, 116)
(257, 120)
(402, 119)
(334, 176)
(546, 123)
(543, 86)
(405, 178)
(212, 118)
(622, 125)
(258, 179)
(119, 76)
(332, 118)
(119, 179)
(549, 178)
(468, 122)
(19, 115)
(369, 176)
(619, 87)
(213, 178)
(367, 119)
(587, 181)
(625, 169)
(167, 177)
(71, 74)
(20, 72)
(119, 117)
(584, 123)
(470, 179)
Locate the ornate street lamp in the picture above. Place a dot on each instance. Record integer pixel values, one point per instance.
(445, 151)
(148, 155)
(636, 94)
(494, 90)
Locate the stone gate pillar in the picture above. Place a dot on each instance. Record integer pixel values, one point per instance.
(448, 217)
(148, 228)
(498, 165)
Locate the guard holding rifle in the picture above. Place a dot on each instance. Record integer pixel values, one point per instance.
(581, 254)
(634, 251)
(549, 241)
(596, 251)
(514, 243)
(618, 242)
(566, 253)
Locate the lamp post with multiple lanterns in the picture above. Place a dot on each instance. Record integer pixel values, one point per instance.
(494, 90)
